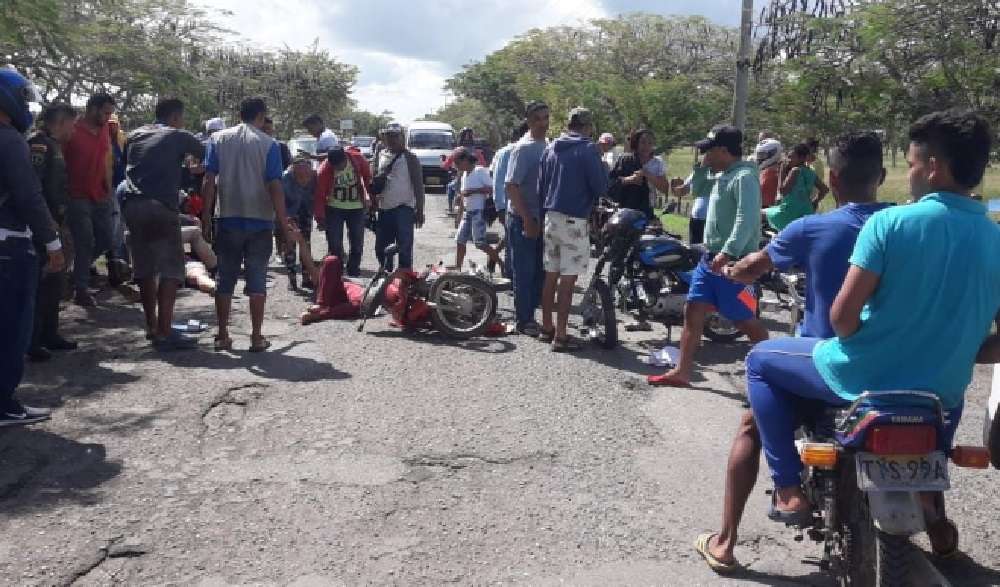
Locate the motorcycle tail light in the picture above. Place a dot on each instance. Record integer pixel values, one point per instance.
(901, 440)
(973, 457)
(819, 454)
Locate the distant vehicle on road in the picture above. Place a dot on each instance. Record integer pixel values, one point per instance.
(364, 144)
(305, 143)
(430, 141)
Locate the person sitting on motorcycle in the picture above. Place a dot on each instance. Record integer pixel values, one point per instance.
(915, 309)
(798, 181)
(768, 157)
(635, 172)
(821, 246)
(732, 231)
(477, 187)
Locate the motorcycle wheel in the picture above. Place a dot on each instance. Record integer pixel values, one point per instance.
(719, 329)
(463, 305)
(374, 295)
(599, 319)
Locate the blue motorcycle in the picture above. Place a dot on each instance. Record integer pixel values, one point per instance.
(649, 273)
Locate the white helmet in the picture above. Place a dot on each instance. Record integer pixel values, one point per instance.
(768, 153)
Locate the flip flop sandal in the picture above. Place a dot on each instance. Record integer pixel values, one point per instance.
(566, 345)
(546, 336)
(720, 567)
(953, 551)
(666, 381)
(797, 519)
(223, 344)
(260, 346)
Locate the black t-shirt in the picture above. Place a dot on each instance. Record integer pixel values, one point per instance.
(155, 156)
(634, 196)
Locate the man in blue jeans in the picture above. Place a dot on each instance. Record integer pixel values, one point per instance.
(915, 310)
(401, 204)
(23, 215)
(820, 245)
(245, 164)
(524, 219)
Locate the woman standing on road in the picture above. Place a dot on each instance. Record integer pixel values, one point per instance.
(796, 191)
(636, 171)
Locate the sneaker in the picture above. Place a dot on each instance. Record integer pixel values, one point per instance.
(174, 342)
(58, 343)
(83, 298)
(38, 354)
(20, 415)
(531, 329)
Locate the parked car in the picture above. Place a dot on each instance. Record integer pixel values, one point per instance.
(364, 144)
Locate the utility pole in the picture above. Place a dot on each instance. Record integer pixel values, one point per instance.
(743, 67)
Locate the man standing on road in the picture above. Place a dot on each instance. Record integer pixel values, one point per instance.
(156, 154)
(342, 199)
(326, 139)
(571, 179)
(298, 183)
(23, 216)
(50, 167)
(732, 231)
(498, 169)
(821, 245)
(245, 165)
(90, 190)
(401, 204)
(524, 218)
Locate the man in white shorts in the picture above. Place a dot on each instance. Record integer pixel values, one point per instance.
(571, 179)
(476, 188)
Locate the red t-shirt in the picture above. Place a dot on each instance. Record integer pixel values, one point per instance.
(86, 156)
(769, 186)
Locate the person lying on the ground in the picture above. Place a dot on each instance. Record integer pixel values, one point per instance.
(821, 246)
(336, 299)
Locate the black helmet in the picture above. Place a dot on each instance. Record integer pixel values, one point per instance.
(627, 221)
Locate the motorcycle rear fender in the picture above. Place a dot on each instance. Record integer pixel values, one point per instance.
(896, 512)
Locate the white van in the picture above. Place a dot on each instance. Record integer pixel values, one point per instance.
(430, 142)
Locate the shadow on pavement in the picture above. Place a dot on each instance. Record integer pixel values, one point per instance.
(814, 579)
(963, 570)
(39, 469)
(275, 363)
(493, 345)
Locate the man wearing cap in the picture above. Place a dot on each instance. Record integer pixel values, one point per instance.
(342, 198)
(732, 231)
(524, 217)
(571, 179)
(401, 203)
(326, 139)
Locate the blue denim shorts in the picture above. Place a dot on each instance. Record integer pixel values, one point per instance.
(733, 300)
(472, 228)
(243, 248)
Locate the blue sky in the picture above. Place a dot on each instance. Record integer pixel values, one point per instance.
(407, 48)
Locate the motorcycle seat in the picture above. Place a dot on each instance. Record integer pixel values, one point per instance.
(655, 239)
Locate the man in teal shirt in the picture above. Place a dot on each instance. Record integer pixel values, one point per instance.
(732, 231)
(915, 310)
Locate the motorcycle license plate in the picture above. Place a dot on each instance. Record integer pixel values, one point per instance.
(903, 473)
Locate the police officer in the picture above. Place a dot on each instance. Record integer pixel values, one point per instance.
(46, 157)
(23, 215)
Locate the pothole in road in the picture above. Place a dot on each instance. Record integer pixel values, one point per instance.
(230, 408)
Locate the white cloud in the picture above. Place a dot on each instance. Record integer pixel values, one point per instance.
(406, 49)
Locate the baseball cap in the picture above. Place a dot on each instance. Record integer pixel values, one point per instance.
(464, 153)
(580, 117)
(722, 135)
(214, 124)
(607, 139)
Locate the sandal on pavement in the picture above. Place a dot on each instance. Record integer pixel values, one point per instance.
(666, 380)
(546, 336)
(720, 567)
(566, 345)
(952, 551)
(174, 342)
(796, 519)
(223, 344)
(261, 345)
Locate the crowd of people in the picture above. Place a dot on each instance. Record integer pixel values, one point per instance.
(899, 297)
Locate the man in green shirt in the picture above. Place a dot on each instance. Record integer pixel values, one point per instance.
(732, 231)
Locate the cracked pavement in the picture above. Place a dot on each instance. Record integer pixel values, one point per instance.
(346, 458)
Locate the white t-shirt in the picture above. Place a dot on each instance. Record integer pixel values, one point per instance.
(326, 141)
(476, 179)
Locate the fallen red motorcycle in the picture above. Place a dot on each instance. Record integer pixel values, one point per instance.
(456, 304)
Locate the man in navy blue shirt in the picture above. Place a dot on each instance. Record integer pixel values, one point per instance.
(821, 245)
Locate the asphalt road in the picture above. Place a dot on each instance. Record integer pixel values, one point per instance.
(346, 458)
